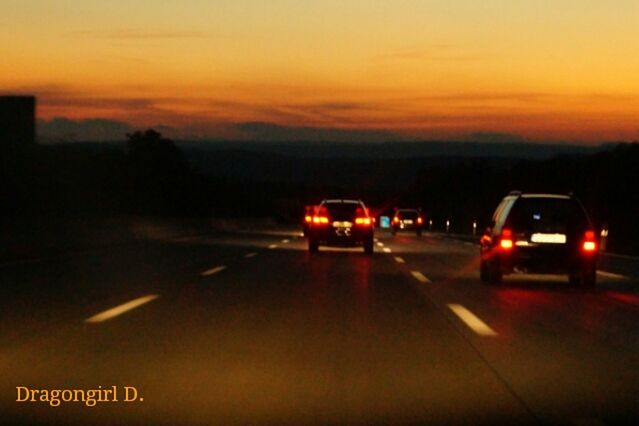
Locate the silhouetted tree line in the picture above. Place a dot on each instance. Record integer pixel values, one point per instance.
(149, 175)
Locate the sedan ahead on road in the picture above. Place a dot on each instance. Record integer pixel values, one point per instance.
(341, 223)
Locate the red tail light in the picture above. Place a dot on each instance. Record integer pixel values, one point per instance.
(420, 220)
(506, 242)
(589, 244)
(395, 219)
(320, 220)
(363, 221)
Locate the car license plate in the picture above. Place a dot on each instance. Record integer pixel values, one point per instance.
(337, 224)
(548, 238)
(408, 222)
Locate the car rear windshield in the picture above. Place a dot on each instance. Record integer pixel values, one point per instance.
(547, 215)
(343, 211)
(407, 214)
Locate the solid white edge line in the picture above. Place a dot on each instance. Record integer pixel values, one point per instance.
(213, 271)
(250, 255)
(471, 320)
(399, 259)
(120, 309)
(420, 277)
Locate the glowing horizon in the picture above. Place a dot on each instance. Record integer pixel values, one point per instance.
(565, 70)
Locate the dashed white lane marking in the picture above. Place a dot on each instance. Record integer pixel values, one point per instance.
(250, 255)
(285, 241)
(420, 277)
(120, 309)
(399, 259)
(471, 320)
(272, 246)
(213, 271)
(380, 244)
(386, 250)
(375, 239)
(611, 275)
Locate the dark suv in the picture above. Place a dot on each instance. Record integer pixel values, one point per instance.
(407, 220)
(540, 233)
(343, 223)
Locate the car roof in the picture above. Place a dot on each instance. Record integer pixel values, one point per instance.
(341, 201)
(558, 196)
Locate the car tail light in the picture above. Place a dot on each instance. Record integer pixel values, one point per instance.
(589, 244)
(320, 220)
(308, 218)
(395, 219)
(506, 242)
(420, 220)
(363, 221)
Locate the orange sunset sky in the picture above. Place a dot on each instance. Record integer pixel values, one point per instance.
(562, 70)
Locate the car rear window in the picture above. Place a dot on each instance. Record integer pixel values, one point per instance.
(407, 214)
(343, 211)
(547, 215)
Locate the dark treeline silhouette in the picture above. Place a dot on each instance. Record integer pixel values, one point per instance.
(150, 176)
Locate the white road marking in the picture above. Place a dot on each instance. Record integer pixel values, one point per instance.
(611, 275)
(250, 255)
(399, 259)
(119, 310)
(375, 239)
(381, 244)
(272, 246)
(387, 250)
(213, 271)
(420, 277)
(471, 320)
(285, 241)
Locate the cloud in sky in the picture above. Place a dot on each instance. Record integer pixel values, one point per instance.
(62, 129)
(261, 131)
(341, 116)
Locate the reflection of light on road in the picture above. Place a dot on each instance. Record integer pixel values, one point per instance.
(472, 321)
(624, 297)
(272, 246)
(386, 250)
(380, 244)
(119, 310)
(399, 260)
(250, 255)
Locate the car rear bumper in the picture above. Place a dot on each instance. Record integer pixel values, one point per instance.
(331, 237)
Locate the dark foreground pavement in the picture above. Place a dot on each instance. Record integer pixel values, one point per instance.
(247, 327)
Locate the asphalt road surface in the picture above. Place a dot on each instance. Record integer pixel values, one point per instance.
(248, 327)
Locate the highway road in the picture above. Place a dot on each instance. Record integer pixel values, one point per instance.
(248, 327)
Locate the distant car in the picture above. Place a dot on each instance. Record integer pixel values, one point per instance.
(309, 212)
(407, 220)
(540, 233)
(342, 223)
